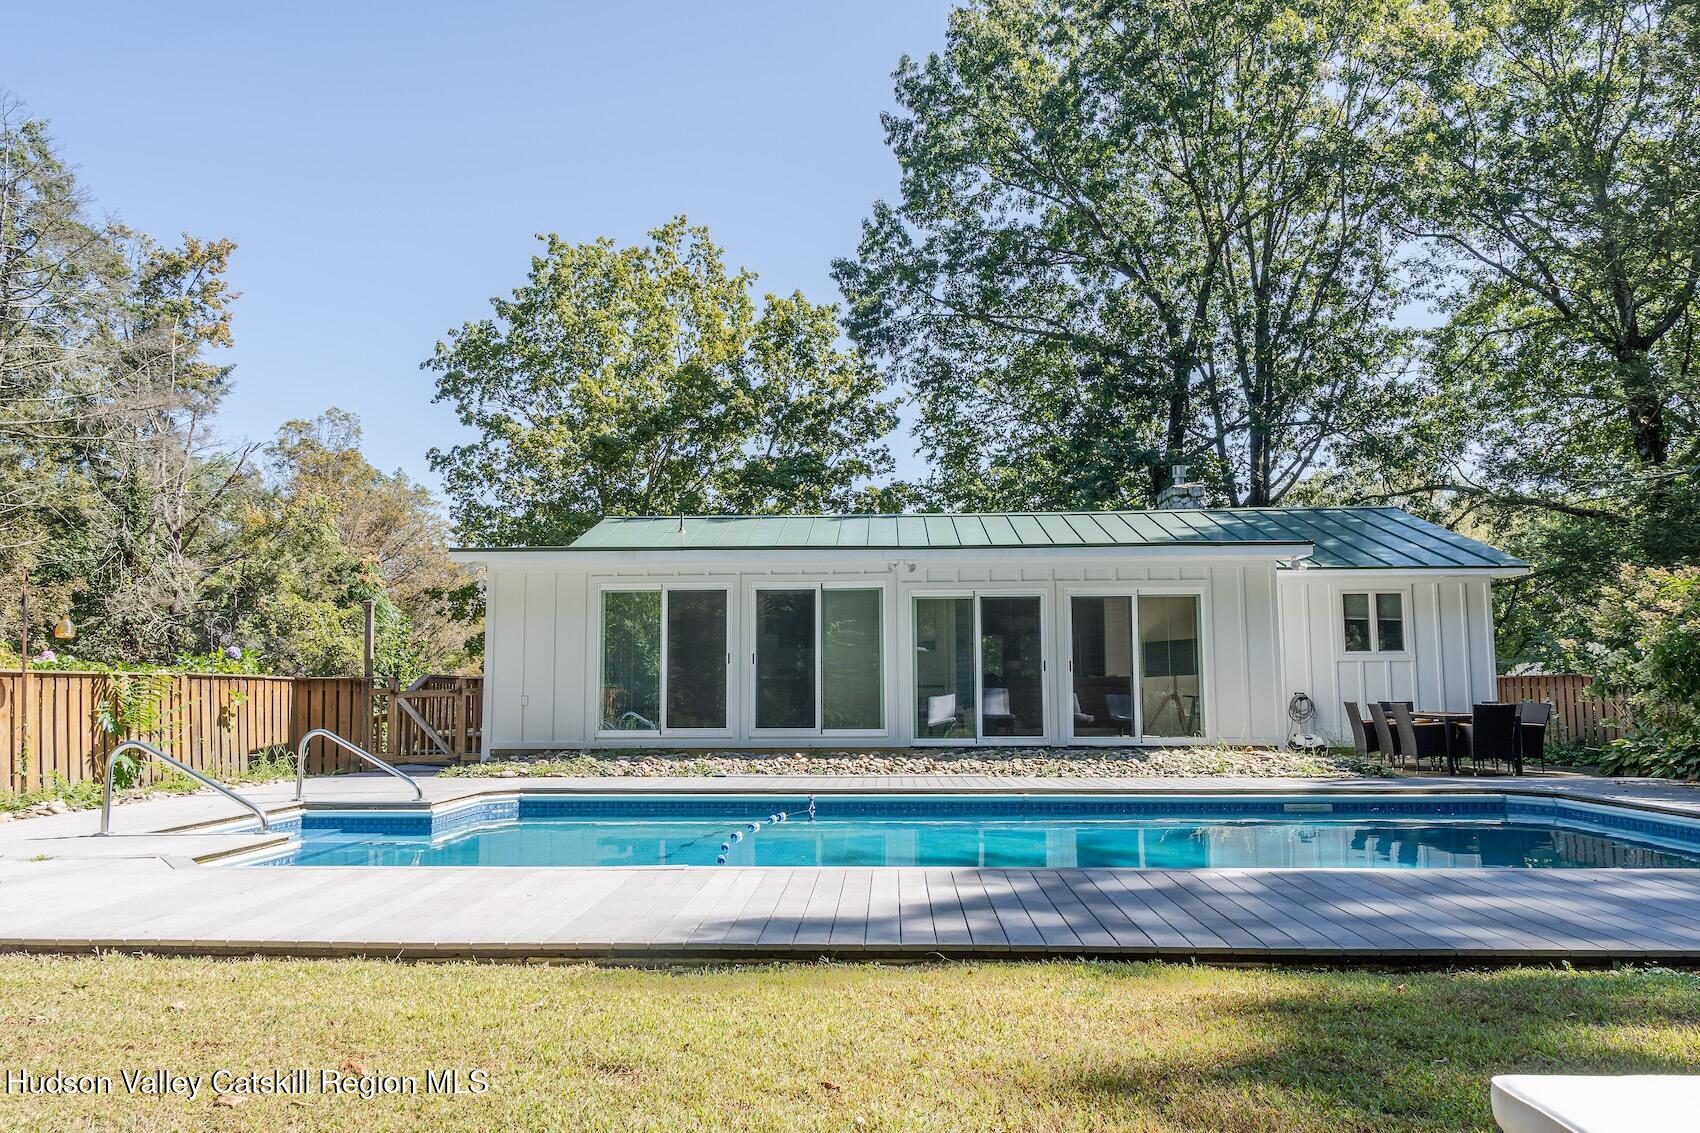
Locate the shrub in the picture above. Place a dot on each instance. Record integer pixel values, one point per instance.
(1646, 649)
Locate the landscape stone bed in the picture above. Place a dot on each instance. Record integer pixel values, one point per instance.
(1061, 762)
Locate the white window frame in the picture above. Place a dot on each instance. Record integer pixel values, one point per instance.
(1133, 591)
(975, 593)
(1374, 650)
(634, 586)
(754, 587)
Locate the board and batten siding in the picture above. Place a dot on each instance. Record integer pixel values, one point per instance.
(541, 624)
(1448, 660)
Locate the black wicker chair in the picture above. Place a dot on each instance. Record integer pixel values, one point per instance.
(1419, 739)
(1363, 740)
(1532, 719)
(1491, 736)
(1384, 736)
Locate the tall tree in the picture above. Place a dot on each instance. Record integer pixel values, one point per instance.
(114, 489)
(1560, 404)
(376, 535)
(630, 381)
(1139, 232)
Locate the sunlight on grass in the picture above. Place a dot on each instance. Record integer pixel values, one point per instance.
(1042, 1046)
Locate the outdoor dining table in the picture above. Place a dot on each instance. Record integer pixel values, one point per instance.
(1451, 720)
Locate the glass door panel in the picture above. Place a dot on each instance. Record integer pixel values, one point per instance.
(785, 659)
(1012, 680)
(1171, 692)
(696, 659)
(852, 689)
(631, 660)
(944, 668)
(1101, 635)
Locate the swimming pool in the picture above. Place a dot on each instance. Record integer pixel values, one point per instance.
(1003, 832)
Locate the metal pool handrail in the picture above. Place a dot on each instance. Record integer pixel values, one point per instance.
(111, 762)
(301, 762)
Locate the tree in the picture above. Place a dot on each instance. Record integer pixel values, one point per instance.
(1559, 401)
(632, 381)
(1136, 233)
(387, 527)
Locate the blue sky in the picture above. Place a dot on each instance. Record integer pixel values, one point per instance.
(383, 168)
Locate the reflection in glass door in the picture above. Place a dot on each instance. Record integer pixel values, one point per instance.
(696, 659)
(1012, 665)
(785, 659)
(1171, 695)
(944, 668)
(1101, 664)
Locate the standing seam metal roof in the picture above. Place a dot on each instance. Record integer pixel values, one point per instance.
(1343, 537)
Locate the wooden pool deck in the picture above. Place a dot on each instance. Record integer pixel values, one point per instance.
(144, 891)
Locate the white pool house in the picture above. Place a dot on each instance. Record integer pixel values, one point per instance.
(1108, 628)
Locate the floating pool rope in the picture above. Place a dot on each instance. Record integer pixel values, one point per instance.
(754, 827)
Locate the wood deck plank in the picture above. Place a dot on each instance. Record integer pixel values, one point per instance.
(885, 909)
(787, 915)
(983, 926)
(950, 923)
(822, 909)
(850, 919)
(915, 916)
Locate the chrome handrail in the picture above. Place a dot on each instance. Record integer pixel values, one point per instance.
(301, 762)
(111, 761)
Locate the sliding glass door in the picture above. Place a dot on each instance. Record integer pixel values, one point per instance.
(819, 660)
(785, 659)
(852, 641)
(1101, 664)
(944, 669)
(696, 660)
(664, 661)
(1171, 694)
(1135, 665)
(631, 661)
(979, 667)
(1012, 666)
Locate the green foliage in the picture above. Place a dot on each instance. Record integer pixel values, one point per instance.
(1555, 158)
(1644, 645)
(1140, 233)
(633, 381)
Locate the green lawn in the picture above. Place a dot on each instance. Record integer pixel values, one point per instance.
(799, 1047)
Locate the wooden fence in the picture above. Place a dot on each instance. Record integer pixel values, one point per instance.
(1578, 715)
(218, 723)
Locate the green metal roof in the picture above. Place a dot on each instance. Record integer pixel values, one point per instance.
(1343, 537)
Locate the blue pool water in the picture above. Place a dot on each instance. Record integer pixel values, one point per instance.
(1005, 832)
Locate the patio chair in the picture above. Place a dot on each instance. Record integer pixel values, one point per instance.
(1384, 736)
(1364, 741)
(1387, 706)
(1118, 706)
(1532, 719)
(994, 710)
(1082, 718)
(1419, 740)
(1490, 736)
(941, 713)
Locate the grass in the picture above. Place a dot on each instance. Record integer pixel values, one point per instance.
(1041, 1046)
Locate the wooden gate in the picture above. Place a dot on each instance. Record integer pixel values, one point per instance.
(436, 719)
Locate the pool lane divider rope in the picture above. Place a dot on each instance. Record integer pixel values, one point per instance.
(753, 828)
